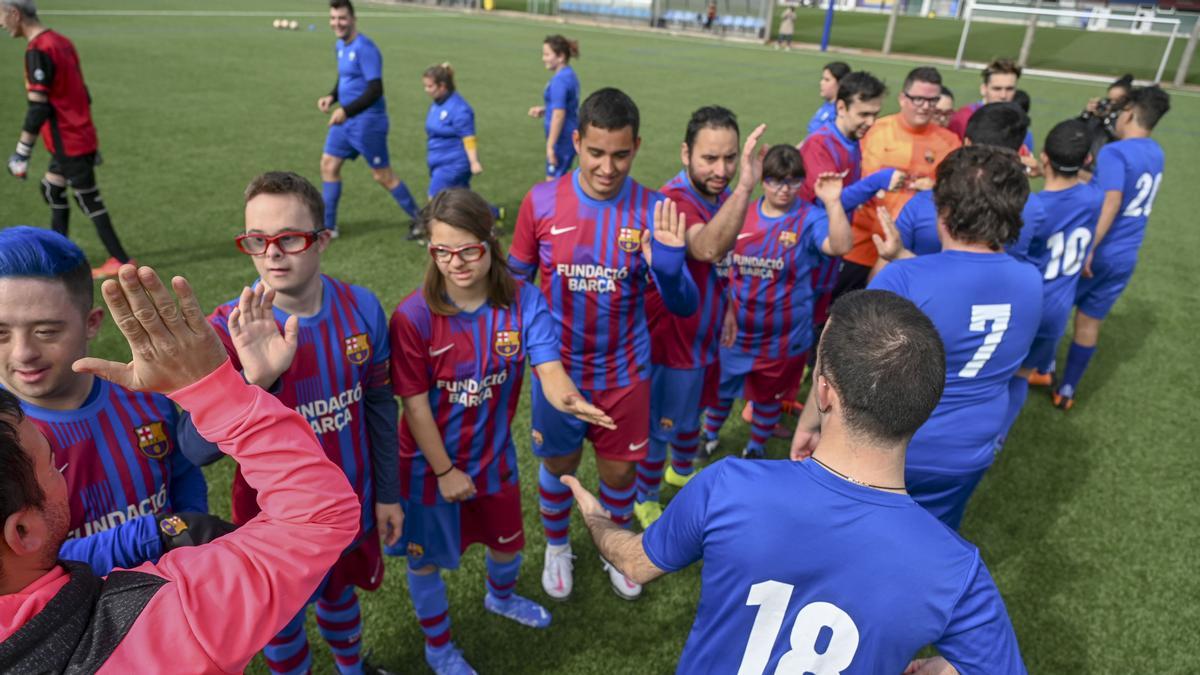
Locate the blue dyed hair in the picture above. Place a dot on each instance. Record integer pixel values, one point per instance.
(35, 252)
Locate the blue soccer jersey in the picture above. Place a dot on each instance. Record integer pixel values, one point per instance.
(447, 123)
(562, 93)
(987, 308)
(1134, 167)
(826, 114)
(917, 224)
(805, 572)
(358, 63)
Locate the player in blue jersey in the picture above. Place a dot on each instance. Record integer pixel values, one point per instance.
(831, 75)
(1129, 171)
(451, 151)
(1072, 208)
(459, 350)
(360, 125)
(998, 125)
(560, 106)
(826, 565)
(119, 450)
(986, 305)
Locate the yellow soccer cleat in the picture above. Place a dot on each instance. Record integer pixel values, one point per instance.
(673, 478)
(647, 513)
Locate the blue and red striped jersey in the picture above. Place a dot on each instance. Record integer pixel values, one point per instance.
(343, 351)
(692, 341)
(471, 366)
(827, 149)
(121, 456)
(593, 274)
(771, 279)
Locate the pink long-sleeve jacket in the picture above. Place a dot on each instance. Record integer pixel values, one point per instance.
(223, 601)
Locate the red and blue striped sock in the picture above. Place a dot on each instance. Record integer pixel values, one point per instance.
(502, 577)
(762, 425)
(428, 593)
(650, 471)
(554, 503)
(340, 622)
(683, 452)
(714, 418)
(618, 502)
(287, 653)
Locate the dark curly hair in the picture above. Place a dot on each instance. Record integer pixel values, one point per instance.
(980, 193)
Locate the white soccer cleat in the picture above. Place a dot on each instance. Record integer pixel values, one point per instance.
(622, 585)
(710, 446)
(557, 572)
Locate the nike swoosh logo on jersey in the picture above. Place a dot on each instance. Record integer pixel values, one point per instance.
(560, 230)
(506, 540)
(634, 447)
(439, 352)
(745, 234)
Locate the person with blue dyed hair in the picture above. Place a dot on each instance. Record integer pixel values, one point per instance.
(129, 483)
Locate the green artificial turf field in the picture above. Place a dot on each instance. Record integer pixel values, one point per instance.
(1087, 520)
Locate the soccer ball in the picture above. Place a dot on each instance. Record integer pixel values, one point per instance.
(276, 23)
(294, 25)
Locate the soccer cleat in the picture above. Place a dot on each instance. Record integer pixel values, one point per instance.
(109, 268)
(1037, 379)
(522, 610)
(448, 661)
(370, 668)
(333, 234)
(647, 513)
(416, 232)
(750, 453)
(676, 479)
(557, 572)
(621, 584)
(1063, 402)
(709, 447)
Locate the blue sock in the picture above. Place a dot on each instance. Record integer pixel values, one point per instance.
(1077, 362)
(287, 653)
(428, 594)
(650, 471)
(405, 199)
(1018, 391)
(340, 622)
(332, 192)
(554, 503)
(495, 211)
(502, 577)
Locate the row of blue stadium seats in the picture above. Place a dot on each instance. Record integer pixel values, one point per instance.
(606, 10)
(751, 23)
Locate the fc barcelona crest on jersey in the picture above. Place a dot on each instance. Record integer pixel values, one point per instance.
(508, 342)
(787, 239)
(358, 349)
(629, 239)
(930, 157)
(152, 440)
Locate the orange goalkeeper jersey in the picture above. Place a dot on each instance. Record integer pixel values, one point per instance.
(916, 152)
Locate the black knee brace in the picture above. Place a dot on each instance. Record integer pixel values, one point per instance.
(55, 195)
(90, 202)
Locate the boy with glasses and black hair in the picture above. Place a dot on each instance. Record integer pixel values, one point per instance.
(330, 364)
(909, 141)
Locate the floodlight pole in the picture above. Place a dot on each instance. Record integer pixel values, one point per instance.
(962, 41)
(1185, 61)
(828, 26)
(891, 27)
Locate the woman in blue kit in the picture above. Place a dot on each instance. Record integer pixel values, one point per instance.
(561, 110)
(451, 150)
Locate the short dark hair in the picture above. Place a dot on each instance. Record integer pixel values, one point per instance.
(27, 8)
(1149, 105)
(1124, 82)
(609, 109)
(1067, 146)
(19, 487)
(885, 360)
(342, 4)
(289, 183)
(923, 74)
(709, 117)
(860, 86)
(946, 91)
(838, 69)
(783, 162)
(1000, 124)
(33, 252)
(1003, 66)
(980, 193)
(1021, 98)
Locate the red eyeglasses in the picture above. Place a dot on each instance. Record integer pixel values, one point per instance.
(288, 242)
(467, 253)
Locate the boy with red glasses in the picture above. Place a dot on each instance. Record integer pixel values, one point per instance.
(330, 363)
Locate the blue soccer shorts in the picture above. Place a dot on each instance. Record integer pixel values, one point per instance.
(564, 156)
(945, 495)
(442, 177)
(362, 135)
(675, 401)
(1050, 331)
(1096, 295)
